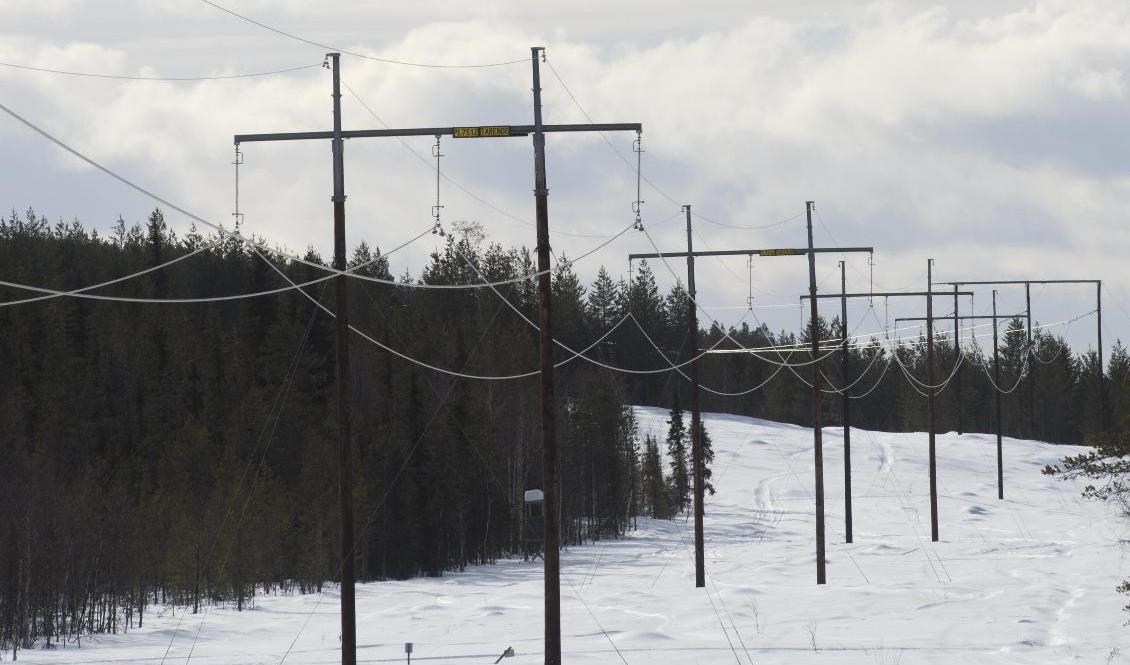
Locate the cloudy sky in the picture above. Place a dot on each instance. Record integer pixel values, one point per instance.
(988, 135)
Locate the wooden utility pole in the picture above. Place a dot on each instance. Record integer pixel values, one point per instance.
(550, 458)
(817, 430)
(957, 355)
(1031, 362)
(809, 252)
(930, 320)
(930, 390)
(996, 363)
(845, 401)
(997, 392)
(1102, 368)
(696, 414)
(1101, 383)
(550, 463)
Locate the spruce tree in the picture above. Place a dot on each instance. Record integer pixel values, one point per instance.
(652, 484)
(677, 451)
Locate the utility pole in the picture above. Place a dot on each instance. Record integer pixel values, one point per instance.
(845, 403)
(930, 378)
(1102, 368)
(344, 394)
(930, 399)
(997, 392)
(1031, 362)
(957, 356)
(817, 431)
(696, 414)
(996, 364)
(1099, 328)
(550, 457)
(809, 252)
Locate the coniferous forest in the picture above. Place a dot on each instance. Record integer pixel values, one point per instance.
(185, 453)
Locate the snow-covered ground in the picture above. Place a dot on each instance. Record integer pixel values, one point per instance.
(1026, 580)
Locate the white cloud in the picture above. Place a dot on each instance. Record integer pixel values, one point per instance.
(988, 138)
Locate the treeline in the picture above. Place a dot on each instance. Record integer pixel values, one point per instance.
(186, 453)
(1065, 391)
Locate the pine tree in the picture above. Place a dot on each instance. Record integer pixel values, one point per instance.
(602, 305)
(707, 459)
(653, 486)
(677, 451)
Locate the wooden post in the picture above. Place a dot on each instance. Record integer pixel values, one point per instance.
(997, 393)
(930, 399)
(817, 434)
(551, 472)
(344, 394)
(845, 407)
(696, 415)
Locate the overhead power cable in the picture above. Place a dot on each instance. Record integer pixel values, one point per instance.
(174, 79)
(55, 294)
(247, 241)
(258, 248)
(454, 183)
(390, 61)
(415, 361)
(82, 292)
(648, 180)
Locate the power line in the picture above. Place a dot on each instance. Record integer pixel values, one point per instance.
(455, 183)
(333, 272)
(125, 77)
(81, 292)
(646, 179)
(390, 61)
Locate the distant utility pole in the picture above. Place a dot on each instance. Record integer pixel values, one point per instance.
(929, 380)
(957, 354)
(930, 399)
(1103, 410)
(845, 401)
(810, 252)
(817, 424)
(997, 379)
(696, 413)
(550, 457)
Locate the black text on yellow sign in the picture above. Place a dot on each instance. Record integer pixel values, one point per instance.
(778, 252)
(480, 132)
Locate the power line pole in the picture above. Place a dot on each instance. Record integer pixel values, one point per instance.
(344, 394)
(997, 392)
(817, 432)
(809, 252)
(930, 379)
(1101, 383)
(696, 414)
(1031, 364)
(845, 407)
(996, 363)
(930, 399)
(957, 355)
(1102, 369)
(550, 457)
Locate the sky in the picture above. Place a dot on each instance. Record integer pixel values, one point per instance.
(989, 136)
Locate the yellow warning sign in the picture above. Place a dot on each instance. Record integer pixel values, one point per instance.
(480, 132)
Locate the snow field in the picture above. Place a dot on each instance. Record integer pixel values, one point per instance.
(1029, 579)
